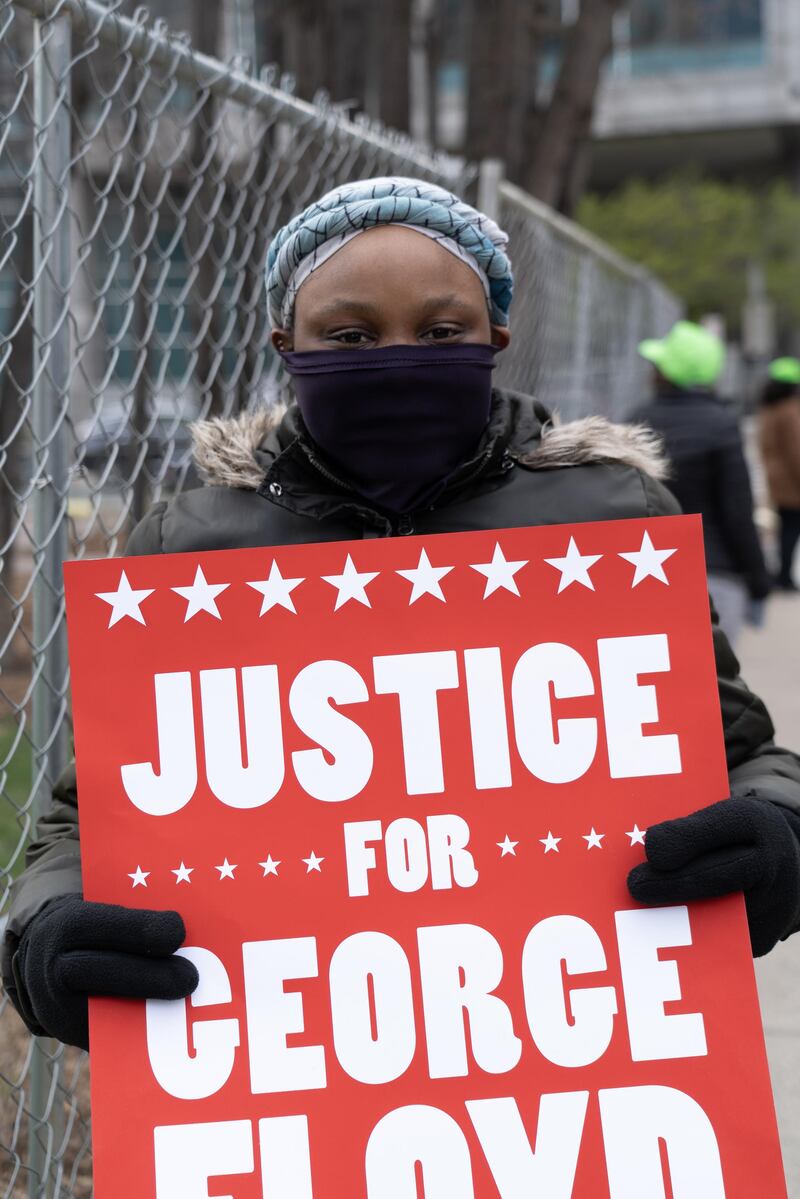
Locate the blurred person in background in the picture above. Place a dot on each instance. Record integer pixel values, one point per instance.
(779, 430)
(709, 473)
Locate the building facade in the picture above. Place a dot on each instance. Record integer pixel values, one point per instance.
(708, 82)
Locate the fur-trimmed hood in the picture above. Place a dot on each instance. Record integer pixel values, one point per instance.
(236, 452)
(596, 439)
(228, 452)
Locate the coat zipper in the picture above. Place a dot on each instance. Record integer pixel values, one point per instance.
(327, 474)
(478, 468)
(405, 526)
(332, 478)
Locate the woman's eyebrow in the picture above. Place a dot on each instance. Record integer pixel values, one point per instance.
(343, 305)
(453, 300)
(353, 306)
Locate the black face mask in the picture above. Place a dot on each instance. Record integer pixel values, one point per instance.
(395, 422)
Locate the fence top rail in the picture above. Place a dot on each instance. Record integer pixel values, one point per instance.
(578, 236)
(154, 44)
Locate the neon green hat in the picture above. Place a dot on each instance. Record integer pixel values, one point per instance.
(689, 356)
(785, 370)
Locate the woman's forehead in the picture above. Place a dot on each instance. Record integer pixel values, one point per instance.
(385, 258)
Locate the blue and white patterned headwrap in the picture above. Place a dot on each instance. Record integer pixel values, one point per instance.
(329, 223)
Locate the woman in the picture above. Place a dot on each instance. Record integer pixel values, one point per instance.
(389, 300)
(780, 450)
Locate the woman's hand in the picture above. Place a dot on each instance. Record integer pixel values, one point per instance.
(749, 845)
(73, 949)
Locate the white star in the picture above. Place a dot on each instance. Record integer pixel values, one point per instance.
(225, 870)
(550, 842)
(499, 572)
(574, 567)
(648, 562)
(593, 840)
(636, 835)
(124, 601)
(201, 596)
(425, 579)
(351, 585)
(270, 866)
(182, 873)
(313, 863)
(276, 590)
(507, 846)
(140, 877)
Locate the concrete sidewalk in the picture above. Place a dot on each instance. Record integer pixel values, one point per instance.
(771, 665)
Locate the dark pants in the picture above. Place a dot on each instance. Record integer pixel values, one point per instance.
(790, 535)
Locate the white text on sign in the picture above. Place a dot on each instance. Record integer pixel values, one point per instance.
(467, 1030)
(552, 749)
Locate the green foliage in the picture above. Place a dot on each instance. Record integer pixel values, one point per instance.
(779, 236)
(699, 234)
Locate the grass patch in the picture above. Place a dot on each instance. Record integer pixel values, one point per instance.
(15, 783)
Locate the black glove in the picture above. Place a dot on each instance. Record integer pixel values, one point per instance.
(748, 845)
(73, 949)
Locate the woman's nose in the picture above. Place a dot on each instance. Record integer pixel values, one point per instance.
(396, 337)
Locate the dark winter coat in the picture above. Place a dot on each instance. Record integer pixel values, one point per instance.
(268, 489)
(709, 475)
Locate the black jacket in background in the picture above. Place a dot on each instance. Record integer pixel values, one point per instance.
(709, 475)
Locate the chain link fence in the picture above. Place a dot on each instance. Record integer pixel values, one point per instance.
(580, 311)
(140, 183)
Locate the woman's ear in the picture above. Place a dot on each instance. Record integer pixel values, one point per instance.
(281, 339)
(501, 336)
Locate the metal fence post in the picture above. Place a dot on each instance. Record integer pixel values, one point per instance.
(50, 398)
(633, 373)
(582, 349)
(490, 176)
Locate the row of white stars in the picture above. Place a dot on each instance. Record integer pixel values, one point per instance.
(183, 872)
(593, 839)
(351, 584)
(313, 863)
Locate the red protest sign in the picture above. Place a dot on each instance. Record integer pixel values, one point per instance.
(395, 788)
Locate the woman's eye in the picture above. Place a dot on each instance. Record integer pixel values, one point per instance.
(442, 332)
(350, 337)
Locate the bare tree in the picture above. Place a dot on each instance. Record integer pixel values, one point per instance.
(543, 142)
(432, 32)
(558, 152)
(305, 36)
(356, 50)
(393, 44)
(491, 59)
